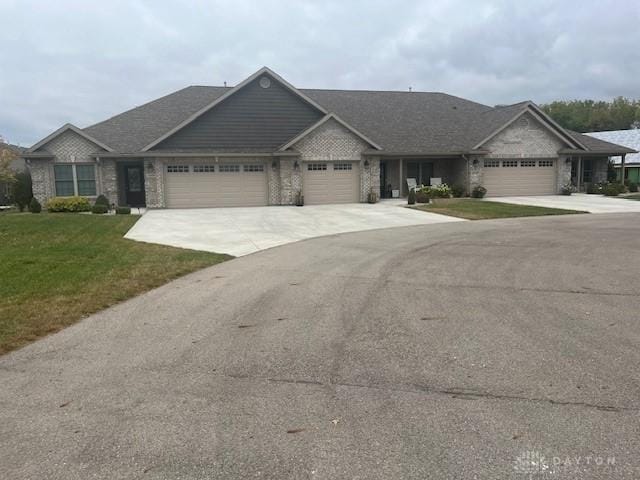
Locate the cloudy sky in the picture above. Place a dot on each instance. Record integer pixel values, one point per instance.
(83, 61)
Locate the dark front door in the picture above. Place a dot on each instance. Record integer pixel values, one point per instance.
(134, 185)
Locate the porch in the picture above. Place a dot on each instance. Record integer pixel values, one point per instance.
(394, 172)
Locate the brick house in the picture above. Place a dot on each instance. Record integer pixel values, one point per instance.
(264, 142)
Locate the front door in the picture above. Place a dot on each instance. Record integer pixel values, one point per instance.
(134, 185)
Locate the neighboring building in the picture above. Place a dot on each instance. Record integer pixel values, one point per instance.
(627, 138)
(17, 165)
(264, 142)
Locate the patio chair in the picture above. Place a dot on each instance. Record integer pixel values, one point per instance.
(435, 181)
(412, 184)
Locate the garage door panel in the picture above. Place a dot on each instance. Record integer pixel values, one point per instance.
(338, 183)
(216, 189)
(500, 180)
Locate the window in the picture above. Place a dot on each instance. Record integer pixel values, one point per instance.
(253, 168)
(75, 180)
(587, 170)
(527, 163)
(229, 168)
(510, 163)
(86, 178)
(342, 166)
(177, 168)
(316, 166)
(491, 163)
(64, 180)
(204, 168)
(545, 163)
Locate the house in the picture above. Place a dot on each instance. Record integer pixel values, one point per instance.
(264, 142)
(630, 139)
(17, 164)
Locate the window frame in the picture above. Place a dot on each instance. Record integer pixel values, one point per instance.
(545, 163)
(253, 168)
(204, 168)
(229, 168)
(491, 163)
(178, 168)
(343, 166)
(317, 166)
(510, 163)
(74, 180)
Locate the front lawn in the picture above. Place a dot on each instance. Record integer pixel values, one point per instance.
(635, 196)
(473, 209)
(58, 268)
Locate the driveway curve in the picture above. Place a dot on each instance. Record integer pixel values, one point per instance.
(492, 349)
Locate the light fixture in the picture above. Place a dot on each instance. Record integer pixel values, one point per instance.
(150, 166)
(296, 165)
(274, 164)
(366, 162)
(475, 162)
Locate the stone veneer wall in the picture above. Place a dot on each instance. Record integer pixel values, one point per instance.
(108, 180)
(563, 173)
(41, 179)
(154, 182)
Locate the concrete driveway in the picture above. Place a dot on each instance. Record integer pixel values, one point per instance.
(577, 201)
(466, 350)
(240, 231)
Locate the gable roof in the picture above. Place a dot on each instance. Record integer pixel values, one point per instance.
(63, 129)
(322, 121)
(411, 123)
(227, 94)
(626, 138)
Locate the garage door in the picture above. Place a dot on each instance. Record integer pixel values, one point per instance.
(520, 177)
(215, 185)
(331, 182)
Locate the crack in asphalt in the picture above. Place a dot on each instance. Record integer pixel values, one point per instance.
(458, 393)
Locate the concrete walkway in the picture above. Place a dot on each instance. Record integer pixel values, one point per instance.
(241, 231)
(577, 201)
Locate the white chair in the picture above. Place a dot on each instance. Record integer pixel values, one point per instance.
(435, 181)
(412, 184)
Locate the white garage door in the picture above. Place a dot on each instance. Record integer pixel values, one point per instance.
(512, 177)
(191, 185)
(331, 182)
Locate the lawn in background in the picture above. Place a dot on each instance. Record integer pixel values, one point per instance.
(58, 268)
(473, 209)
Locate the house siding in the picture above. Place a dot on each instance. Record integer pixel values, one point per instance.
(254, 118)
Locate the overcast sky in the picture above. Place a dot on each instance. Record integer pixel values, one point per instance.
(82, 61)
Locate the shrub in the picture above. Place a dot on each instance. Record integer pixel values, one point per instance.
(123, 210)
(594, 188)
(411, 200)
(438, 191)
(457, 191)
(633, 187)
(68, 204)
(567, 189)
(21, 190)
(102, 200)
(611, 190)
(99, 209)
(34, 205)
(478, 192)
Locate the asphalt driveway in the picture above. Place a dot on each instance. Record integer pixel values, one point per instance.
(240, 231)
(578, 201)
(490, 349)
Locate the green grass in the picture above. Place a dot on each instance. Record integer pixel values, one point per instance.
(58, 268)
(473, 209)
(634, 196)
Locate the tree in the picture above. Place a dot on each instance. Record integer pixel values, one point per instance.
(592, 116)
(7, 156)
(22, 192)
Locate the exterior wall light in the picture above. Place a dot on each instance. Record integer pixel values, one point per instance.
(296, 165)
(366, 162)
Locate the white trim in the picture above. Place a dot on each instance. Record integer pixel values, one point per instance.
(320, 122)
(63, 129)
(233, 91)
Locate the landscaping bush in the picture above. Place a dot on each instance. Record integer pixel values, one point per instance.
(21, 190)
(611, 189)
(478, 192)
(102, 200)
(34, 206)
(566, 189)
(594, 188)
(68, 204)
(633, 187)
(123, 210)
(99, 209)
(457, 191)
(411, 199)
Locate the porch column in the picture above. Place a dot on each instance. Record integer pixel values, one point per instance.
(622, 169)
(400, 179)
(579, 182)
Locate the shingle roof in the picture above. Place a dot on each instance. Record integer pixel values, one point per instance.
(627, 138)
(400, 122)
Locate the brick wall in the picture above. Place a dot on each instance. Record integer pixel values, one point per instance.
(154, 182)
(41, 180)
(526, 137)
